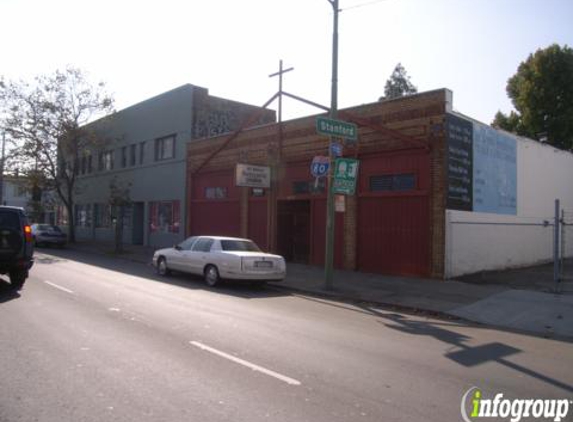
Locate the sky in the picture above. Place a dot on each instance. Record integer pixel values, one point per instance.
(143, 48)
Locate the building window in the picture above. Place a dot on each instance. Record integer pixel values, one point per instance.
(393, 182)
(123, 157)
(102, 214)
(165, 148)
(132, 154)
(83, 216)
(105, 162)
(164, 217)
(141, 152)
(90, 167)
(215, 193)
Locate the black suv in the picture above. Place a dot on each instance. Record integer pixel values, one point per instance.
(16, 246)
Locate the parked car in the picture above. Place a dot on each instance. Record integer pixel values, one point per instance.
(47, 234)
(16, 248)
(216, 258)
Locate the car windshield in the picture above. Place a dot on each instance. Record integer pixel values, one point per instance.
(239, 245)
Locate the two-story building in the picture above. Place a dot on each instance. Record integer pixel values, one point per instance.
(147, 157)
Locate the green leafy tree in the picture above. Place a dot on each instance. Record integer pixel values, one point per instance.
(398, 85)
(542, 93)
(48, 122)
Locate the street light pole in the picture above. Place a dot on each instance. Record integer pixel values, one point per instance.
(329, 252)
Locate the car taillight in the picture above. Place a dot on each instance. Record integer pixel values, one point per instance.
(28, 233)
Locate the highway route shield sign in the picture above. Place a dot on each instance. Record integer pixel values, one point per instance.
(345, 175)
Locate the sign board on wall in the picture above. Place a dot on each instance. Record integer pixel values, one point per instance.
(482, 168)
(253, 176)
(459, 135)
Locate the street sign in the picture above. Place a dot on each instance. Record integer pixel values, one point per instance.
(345, 175)
(336, 149)
(319, 166)
(338, 128)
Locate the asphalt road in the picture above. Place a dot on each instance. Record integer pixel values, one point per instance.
(91, 338)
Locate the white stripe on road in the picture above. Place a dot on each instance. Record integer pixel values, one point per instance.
(63, 289)
(250, 365)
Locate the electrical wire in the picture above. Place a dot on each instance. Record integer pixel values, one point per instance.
(356, 6)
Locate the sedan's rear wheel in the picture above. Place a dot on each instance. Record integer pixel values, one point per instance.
(212, 276)
(162, 268)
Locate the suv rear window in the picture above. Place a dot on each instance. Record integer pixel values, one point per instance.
(9, 220)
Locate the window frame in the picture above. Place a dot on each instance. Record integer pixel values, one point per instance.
(161, 151)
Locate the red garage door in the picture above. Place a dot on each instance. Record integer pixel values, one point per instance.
(214, 208)
(216, 219)
(394, 235)
(394, 215)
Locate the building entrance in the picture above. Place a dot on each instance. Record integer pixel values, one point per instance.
(293, 231)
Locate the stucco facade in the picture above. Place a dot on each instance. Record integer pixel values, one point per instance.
(147, 156)
(478, 241)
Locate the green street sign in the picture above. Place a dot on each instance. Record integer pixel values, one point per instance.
(345, 175)
(338, 128)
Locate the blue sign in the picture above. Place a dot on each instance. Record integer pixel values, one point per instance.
(336, 149)
(495, 171)
(319, 166)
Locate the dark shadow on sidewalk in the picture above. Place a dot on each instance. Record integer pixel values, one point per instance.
(138, 269)
(466, 355)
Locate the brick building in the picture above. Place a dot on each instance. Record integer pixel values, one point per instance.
(431, 183)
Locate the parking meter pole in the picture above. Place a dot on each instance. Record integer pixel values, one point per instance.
(329, 253)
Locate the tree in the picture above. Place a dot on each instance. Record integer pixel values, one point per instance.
(542, 93)
(398, 85)
(48, 121)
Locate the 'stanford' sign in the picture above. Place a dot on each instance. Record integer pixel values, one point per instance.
(252, 176)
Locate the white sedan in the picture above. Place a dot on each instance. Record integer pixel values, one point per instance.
(216, 258)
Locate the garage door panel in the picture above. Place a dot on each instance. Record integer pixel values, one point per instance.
(216, 218)
(393, 235)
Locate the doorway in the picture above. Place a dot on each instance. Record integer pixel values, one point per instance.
(293, 231)
(137, 223)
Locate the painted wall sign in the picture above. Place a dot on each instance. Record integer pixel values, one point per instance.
(482, 168)
(253, 176)
(495, 171)
(459, 135)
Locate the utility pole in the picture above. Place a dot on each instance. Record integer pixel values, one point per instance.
(2, 168)
(329, 253)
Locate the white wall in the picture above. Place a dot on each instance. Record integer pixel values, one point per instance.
(478, 241)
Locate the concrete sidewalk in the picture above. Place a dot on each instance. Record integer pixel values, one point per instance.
(520, 299)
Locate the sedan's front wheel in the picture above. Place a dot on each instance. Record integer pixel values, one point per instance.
(162, 268)
(212, 276)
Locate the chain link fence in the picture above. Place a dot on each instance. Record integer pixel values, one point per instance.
(566, 253)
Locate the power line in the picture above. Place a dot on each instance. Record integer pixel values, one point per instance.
(368, 3)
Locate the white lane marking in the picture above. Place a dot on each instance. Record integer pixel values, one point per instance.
(63, 289)
(250, 365)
